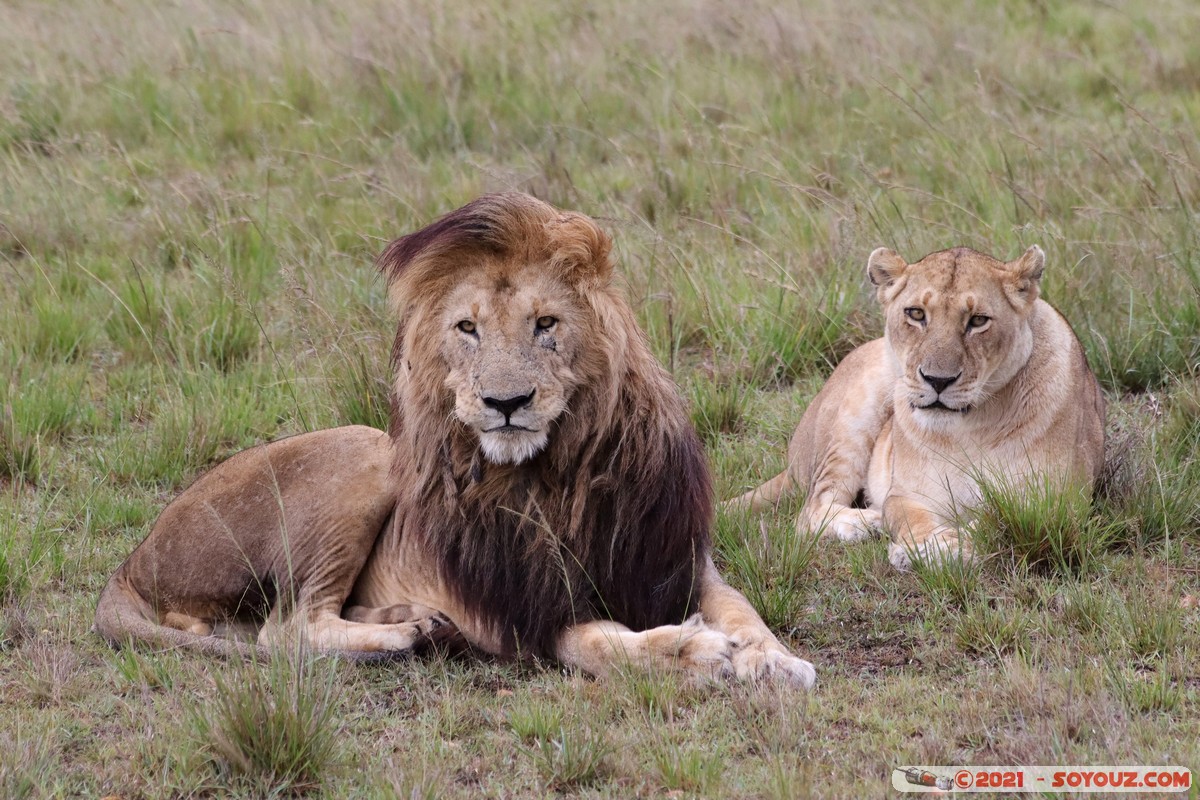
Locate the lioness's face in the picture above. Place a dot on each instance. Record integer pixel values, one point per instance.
(510, 341)
(959, 329)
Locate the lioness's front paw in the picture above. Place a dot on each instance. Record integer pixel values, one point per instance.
(854, 525)
(765, 663)
(943, 545)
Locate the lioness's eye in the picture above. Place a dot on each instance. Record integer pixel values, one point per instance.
(466, 326)
(915, 314)
(977, 321)
(545, 323)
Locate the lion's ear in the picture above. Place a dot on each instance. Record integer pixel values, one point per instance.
(580, 248)
(884, 267)
(1025, 274)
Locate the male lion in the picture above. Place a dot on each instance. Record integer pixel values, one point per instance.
(975, 376)
(540, 488)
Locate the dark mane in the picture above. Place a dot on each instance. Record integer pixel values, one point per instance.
(474, 226)
(514, 556)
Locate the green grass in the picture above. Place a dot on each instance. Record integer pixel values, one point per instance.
(23, 768)
(269, 730)
(1037, 524)
(767, 559)
(570, 758)
(191, 199)
(688, 772)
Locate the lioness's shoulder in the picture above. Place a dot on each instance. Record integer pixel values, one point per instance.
(867, 364)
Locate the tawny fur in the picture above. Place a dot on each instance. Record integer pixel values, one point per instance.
(277, 532)
(1020, 403)
(541, 488)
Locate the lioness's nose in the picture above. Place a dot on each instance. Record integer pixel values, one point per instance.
(509, 405)
(939, 384)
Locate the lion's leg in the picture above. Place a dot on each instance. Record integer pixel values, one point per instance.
(318, 621)
(187, 623)
(389, 615)
(919, 534)
(600, 647)
(757, 654)
(325, 630)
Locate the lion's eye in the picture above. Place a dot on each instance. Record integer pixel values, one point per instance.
(978, 321)
(546, 323)
(466, 326)
(915, 314)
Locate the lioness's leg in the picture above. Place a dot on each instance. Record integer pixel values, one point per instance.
(600, 647)
(766, 496)
(919, 534)
(838, 477)
(757, 653)
(838, 520)
(827, 510)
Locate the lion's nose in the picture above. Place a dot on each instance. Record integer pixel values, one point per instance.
(509, 405)
(939, 384)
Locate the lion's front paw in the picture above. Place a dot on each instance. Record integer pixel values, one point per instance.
(941, 546)
(704, 651)
(766, 663)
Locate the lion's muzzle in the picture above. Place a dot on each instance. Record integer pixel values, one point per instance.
(511, 428)
(508, 406)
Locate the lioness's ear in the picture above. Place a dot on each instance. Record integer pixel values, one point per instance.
(579, 247)
(885, 266)
(1026, 273)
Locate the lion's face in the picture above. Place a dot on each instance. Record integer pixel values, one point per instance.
(957, 325)
(509, 342)
(505, 308)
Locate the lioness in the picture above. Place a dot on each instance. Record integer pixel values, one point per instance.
(541, 488)
(974, 376)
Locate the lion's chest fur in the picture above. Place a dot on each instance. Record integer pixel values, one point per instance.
(522, 552)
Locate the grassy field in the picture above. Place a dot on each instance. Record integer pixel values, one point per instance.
(191, 196)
